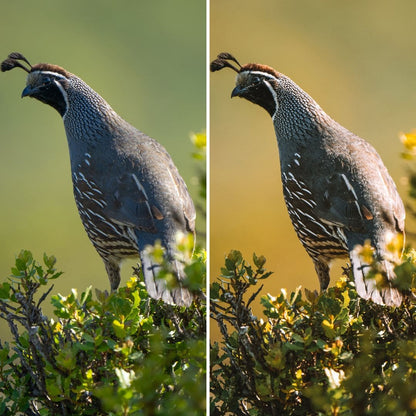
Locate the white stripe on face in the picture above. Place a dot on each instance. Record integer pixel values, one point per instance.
(64, 94)
(263, 74)
(273, 92)
(267, 79)
(54, 74)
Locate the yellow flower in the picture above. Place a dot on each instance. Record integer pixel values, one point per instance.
(409, 140)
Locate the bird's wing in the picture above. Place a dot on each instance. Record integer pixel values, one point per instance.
(171, 183)
(356, 187)
(143, 201)
(398, 212)
(187, 205)
(130, 204)
(342, 205)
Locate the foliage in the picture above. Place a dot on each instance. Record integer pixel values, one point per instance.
(199, 141)
(119, 354)
(328, 354)
(409, 153)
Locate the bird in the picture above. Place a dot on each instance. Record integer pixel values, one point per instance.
(128, 192)
(338, 193)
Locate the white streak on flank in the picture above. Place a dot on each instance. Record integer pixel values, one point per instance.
(95, 190)
(349, 186)
(312, 220)
(331, 223)
(102, 204)
(174, 183)
(307, 202)
(357, 205)
(83, 178)
(140, 186)
(341, 235)
(308, 232)
(104, 220)
(87, 155)
(95, 230)
(292, 178)
(307, 191)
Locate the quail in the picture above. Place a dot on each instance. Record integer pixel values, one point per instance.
(128, 192)
(337, 190)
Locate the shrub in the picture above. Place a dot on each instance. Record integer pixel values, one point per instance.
(118, 354)
(328, 354)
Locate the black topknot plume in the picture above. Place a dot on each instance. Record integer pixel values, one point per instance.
(222, 62)
(12, 61)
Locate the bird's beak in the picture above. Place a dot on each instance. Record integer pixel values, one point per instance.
(28, 91)
(237, 91)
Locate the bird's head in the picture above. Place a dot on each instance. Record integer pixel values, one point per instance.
(260, 84)
(45, 82)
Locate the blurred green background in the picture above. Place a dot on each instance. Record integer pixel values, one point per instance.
(357, 59)
(147, 59)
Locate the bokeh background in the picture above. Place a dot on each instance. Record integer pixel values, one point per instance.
(357, 59)
(147, 59)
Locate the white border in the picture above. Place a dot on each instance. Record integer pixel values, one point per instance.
(208, 190)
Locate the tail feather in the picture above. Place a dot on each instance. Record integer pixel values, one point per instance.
(367, 287)
(157, 287)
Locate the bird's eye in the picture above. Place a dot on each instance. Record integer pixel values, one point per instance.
(46, 80)
(256, 80)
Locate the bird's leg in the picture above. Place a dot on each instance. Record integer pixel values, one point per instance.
(113, 271)
(322, 269)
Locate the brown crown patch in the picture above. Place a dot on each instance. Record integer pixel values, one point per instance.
(259, 67)
(51, 68)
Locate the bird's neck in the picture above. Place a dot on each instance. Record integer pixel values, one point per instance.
(298, 120)
(90, 120)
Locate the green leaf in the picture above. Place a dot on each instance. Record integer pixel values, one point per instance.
(20, 264)
(54, 389)
(294, 346)
(328, 328)
(259, 261)
(119, 329)
(66, 357)
(234, 259)
(24, 340)
(5, 291)
(214, 290)
(4, 355)
(15, 272)
(86, 295)
(49, 261)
